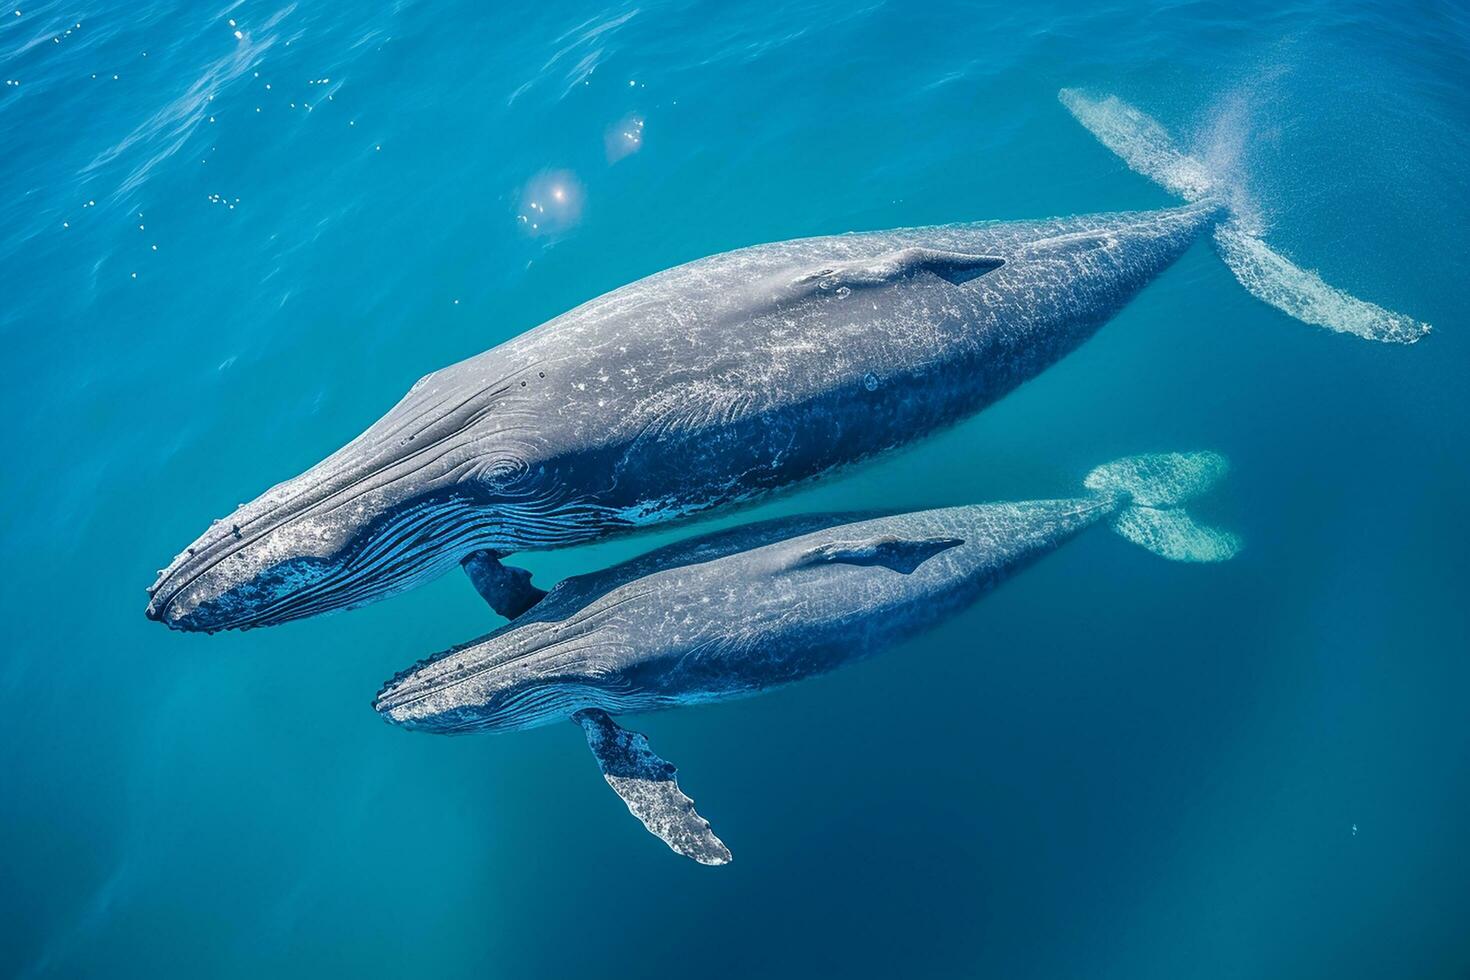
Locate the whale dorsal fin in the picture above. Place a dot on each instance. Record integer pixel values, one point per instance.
(901, 554)
(880, 270)
(647, 784)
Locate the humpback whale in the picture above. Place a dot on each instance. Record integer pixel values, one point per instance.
(711, 384)
(742, 611)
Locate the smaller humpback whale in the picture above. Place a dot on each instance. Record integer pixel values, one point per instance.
(712, 384)
(741, 611)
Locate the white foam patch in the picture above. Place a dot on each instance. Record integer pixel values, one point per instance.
(1301, 293)
(1145, 145)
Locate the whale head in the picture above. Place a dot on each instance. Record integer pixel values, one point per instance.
(524, 675)
(438, 477)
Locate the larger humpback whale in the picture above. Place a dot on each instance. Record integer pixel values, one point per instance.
(739, 612)
(713, 383)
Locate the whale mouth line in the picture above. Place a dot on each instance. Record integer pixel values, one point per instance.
(244, 540)
(405, 547)
(537, 705)
(249, 531)
(408, 688)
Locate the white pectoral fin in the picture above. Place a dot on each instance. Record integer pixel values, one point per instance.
(899, 554)
(647, 785)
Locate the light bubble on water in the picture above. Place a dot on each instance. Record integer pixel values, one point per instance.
(623, 138)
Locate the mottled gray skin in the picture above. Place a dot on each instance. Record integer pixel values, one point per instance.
(703, 386)
(731, 614)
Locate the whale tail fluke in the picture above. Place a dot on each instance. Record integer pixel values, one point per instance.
(1146, 147)
(1151, 491)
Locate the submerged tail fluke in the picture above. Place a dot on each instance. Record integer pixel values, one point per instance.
(1266, 274)
(1151, 491)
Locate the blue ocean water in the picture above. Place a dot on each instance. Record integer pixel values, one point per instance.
(231, 235)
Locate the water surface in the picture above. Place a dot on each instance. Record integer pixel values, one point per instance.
(225, 248)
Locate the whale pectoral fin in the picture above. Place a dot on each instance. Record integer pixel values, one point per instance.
(954, 267)
(647, 785)
(903, 555)
(508, 589)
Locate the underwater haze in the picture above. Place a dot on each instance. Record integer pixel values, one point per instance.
(233, 235)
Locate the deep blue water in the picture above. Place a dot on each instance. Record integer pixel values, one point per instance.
(1113, 767)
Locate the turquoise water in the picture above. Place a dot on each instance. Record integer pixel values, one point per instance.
(1113, 767)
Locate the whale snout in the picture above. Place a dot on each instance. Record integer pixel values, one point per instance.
(464, 689)
(183, 595)
(256, 567)
(162, 610)
(511, 680)
(437, 698)
(206, 590)
(389, 510)
(200, 619)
